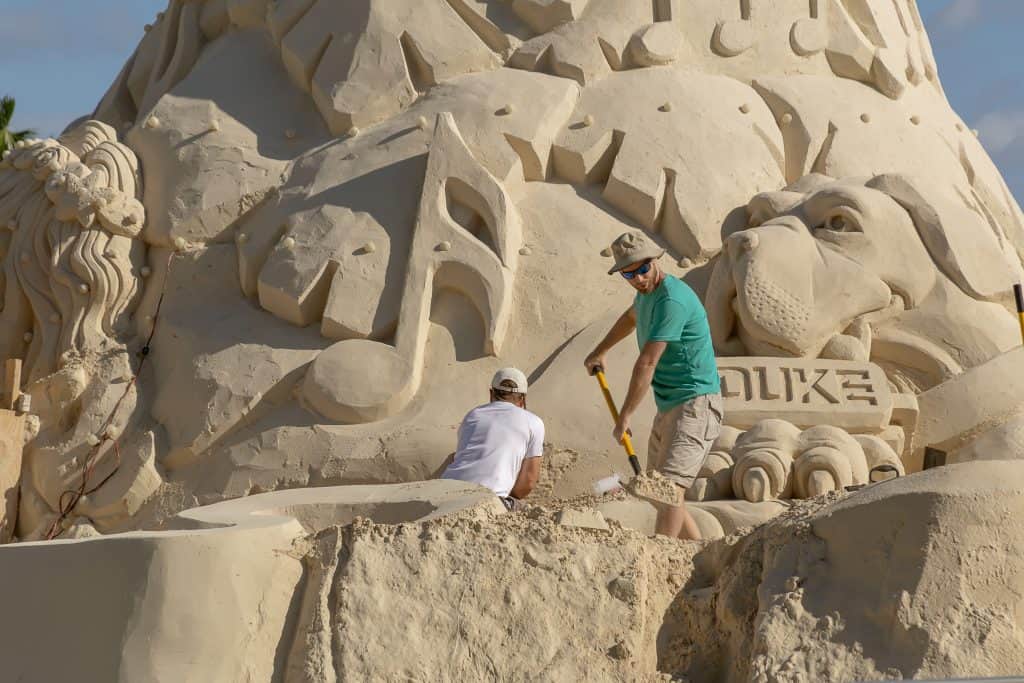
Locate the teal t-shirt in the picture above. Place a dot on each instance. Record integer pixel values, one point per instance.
(673, 313)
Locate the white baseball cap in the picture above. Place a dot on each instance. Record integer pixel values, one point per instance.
(513, 375)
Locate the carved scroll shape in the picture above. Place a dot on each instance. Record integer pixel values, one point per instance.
(810, 35)
(359, 380)
(764, 461)
(829, 460)
(734, 36)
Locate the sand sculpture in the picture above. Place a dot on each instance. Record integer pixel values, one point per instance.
(347, 256)
(295, 237)
(775, 460)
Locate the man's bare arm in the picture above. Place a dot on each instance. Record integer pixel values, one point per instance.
(639, 383)
(622, 328)
(529, 473)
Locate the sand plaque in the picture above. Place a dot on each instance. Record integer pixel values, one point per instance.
(851, 395)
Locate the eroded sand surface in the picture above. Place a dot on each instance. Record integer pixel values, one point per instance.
(483, 596)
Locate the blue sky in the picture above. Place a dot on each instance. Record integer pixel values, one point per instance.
(57, 57)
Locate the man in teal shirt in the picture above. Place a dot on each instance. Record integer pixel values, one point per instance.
(677, 360)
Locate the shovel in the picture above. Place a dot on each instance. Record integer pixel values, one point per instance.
(627, 442)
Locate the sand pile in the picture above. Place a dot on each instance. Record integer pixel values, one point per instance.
(655, 488)
(922, 576)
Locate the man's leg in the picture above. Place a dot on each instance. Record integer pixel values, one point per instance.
(666, 523)
(689, 431)
(675, 521)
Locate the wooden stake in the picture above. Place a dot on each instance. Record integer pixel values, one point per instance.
(12, 382)
(1018, 294)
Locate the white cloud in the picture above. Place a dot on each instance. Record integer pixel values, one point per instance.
(999, 130)
(959, 14)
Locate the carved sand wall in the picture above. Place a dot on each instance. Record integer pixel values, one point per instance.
(356, 211)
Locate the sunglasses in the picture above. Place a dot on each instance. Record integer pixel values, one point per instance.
(642, 270)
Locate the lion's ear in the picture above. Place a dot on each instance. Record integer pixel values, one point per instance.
(768, 205)
(959, 239)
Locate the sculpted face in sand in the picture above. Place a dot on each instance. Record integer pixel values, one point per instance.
(886, 269)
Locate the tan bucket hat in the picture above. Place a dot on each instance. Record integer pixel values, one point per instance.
(633, 247)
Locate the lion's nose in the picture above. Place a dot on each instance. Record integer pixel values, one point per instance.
(742, 242)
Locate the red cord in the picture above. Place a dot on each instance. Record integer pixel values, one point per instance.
(89, 465)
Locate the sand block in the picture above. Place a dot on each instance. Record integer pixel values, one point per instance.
(969, 402)
(11, 444)
(805, 392)
(239, 562)
(809, 580)
(489, 586)
(133, 591)
(582, 519)
(956, 522)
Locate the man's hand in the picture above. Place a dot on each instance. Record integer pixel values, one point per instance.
(621, 428)
(620, 330)
(594, 362)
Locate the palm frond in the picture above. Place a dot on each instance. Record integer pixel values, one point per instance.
(6, 111)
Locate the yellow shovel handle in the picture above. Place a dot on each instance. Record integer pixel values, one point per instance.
(627, 442)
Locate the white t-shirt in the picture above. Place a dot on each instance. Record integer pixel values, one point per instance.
(494, 439)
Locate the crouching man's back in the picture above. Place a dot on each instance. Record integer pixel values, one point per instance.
(500, 443)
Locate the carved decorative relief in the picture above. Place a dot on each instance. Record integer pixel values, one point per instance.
(360, 380)
(73, 269)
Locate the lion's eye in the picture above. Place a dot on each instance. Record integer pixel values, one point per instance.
(840, 222)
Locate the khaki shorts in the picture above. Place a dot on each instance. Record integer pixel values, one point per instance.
(681, 438)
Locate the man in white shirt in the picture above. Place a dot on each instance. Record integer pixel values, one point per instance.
(500, 443)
